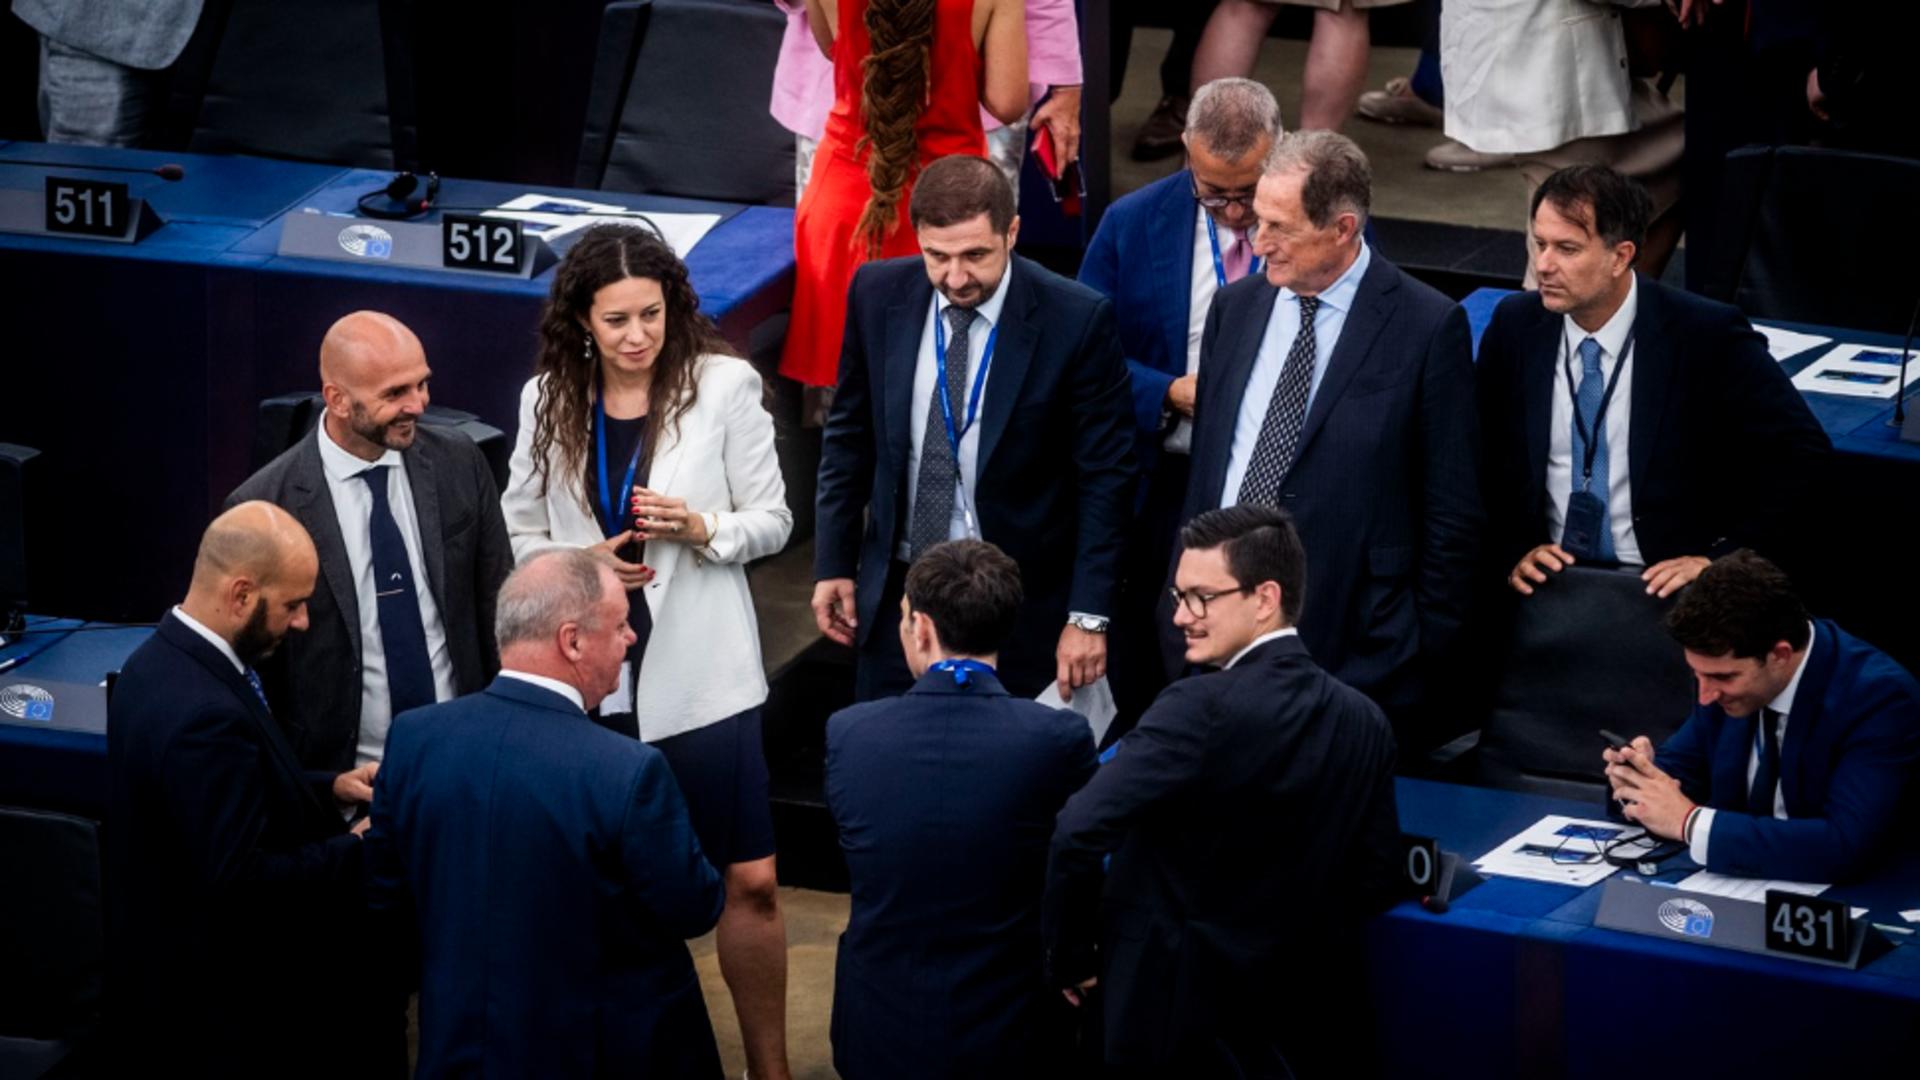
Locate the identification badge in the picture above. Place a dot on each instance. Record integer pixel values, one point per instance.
(1586, 516)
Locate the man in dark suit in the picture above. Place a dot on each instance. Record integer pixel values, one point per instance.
(1160, 254)
(1251, 825)
(1358, 420)
(1799, 760)
(1029, 445)
(944, 799)
(234, 882)
(548, 863)
(1689, 381)
(412, 548)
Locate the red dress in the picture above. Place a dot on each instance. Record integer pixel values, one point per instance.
(826, 249)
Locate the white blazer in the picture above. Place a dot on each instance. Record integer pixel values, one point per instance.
(703, 662)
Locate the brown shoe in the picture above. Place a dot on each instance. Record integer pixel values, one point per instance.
(1160, 136)
(1398, 104)
(1455, 156)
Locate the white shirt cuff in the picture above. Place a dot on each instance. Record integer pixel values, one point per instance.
(1702, 832)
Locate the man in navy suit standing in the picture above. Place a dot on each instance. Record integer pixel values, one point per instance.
(1339, 389)
(1799, 760)
(981, 396)
(1160, 254)
(547, 863)
(236, 885)
(944, 799)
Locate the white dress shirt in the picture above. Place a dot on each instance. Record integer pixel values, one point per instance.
(1199, 301)
(1336, 301)
(926, 375)
(1612, 337)
(1271, 635)
(353, 508)
(1782, 704)
(563, 689)
(213, 639)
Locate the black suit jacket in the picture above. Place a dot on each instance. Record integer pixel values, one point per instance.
(314, 680)
(945, 798)
(1384, 487)
(1251, 822)
(1721, 448)
(233, 888)
(1055, 470)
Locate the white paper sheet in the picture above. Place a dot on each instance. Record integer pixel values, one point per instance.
(1557, 849)
(551, 217)
(1911, 916)
(1094, 702)
(1783, 343)
(1754, 889)
(1857, 371)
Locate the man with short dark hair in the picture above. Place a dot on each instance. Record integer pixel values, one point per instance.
(980, 396)
(1340, 389)
(1606, 398)
(547, 863)
(1250, 823)
(1798, 760)
(944, 799)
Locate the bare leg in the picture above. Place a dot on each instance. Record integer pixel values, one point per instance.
(752, 942)
(1231, 42)
(1336, 67)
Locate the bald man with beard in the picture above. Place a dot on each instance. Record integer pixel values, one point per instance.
(234, 885)
(412, 550)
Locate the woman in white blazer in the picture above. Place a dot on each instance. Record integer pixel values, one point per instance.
(645, 441)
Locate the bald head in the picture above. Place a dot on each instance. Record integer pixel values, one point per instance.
(251, 580)
(373, 374)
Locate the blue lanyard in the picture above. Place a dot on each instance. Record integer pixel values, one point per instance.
(1220, 268)
(614, 513)
(979, 382)
(962, 668)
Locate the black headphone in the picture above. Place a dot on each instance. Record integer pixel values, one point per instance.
(399, 190)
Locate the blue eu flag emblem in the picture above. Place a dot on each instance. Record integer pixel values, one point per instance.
(39, 710)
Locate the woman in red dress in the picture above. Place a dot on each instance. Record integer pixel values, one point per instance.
(909, 78)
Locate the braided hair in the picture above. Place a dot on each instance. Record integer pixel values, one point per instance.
(893, 94)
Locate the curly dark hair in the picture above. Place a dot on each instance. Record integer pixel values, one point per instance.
(1740, 604)
(570, 363)
(893, 93)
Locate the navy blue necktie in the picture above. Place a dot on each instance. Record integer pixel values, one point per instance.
(409, 671)
(253, 680)
(1593, 387)
(1766, 776)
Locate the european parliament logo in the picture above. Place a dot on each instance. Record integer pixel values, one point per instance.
(1689, 917)
(367, 241)
(24, 701)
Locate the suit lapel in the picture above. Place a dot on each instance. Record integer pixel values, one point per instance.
(1809, 704)
(1231, 364)
(1171, 247)
(906, 319)
(1653, 376)
(1539, 352)
(313, 505)
(1373, 305)
(1012, 356)
(426, 508)
(264, 724)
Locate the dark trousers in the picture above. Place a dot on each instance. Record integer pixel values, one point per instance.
(1139, 671)
(1187, 18)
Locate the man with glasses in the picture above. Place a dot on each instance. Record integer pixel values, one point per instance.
(1161, 253)
(1251, 826)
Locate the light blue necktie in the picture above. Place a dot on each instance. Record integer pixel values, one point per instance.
(1587, 399)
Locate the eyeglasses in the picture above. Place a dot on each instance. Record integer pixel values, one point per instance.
(1221, 202)
(1197, 601)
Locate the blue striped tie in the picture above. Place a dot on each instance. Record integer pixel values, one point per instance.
(1592, 388)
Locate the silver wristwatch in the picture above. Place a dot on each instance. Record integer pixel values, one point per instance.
(1092, 624)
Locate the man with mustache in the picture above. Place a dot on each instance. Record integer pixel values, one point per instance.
(412, 550)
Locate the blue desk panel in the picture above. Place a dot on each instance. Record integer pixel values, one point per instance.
(52, 769)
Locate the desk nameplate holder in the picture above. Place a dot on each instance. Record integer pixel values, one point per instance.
(413, 244)
(1696, 918)
(25, 212)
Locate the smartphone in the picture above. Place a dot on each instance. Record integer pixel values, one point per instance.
(1615, 741)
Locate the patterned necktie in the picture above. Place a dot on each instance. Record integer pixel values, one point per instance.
(402, 636)
(1279, 437)
(933, 490)
(253, 680)
(1766, 775)
(1238, 258)
(1587, 398)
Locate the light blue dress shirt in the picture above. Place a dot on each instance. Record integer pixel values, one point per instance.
(1328, 320)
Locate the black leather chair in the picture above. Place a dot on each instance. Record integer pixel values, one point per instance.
(286, 419)
(1587, 651)
(679, 103)
(1810, 235)
(52, 943)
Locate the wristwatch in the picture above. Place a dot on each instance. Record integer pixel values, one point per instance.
(1092, 624)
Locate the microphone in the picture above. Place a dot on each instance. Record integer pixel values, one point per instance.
(168, 171)
(1899, 417)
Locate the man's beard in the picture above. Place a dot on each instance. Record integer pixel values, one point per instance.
(255, 642)
(383, 434)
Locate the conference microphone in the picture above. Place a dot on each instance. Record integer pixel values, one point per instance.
(1899, 417)
(168, 171)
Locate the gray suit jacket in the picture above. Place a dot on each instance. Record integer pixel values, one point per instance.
(146, 34)
(313, 680)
